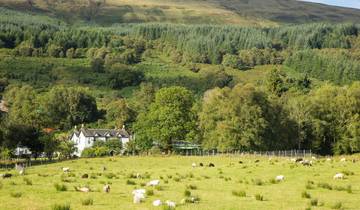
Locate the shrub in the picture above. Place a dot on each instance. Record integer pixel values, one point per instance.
(110, 175)
(259, 197)
(60, 187)
(130, 182)
(314, 202)
(239, 193)
(150, 192)
(258, 182)
(60, 207)
(159, 188)
(191, 187)
(27, 181)
(305, 195)
(187, 193)
(16, 194)
(337, 205)
(87, 202)
(348, 173)
(325, 185)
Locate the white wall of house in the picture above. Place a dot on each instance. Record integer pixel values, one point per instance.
(82, 142)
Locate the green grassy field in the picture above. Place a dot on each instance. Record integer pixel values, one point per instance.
(214, 186)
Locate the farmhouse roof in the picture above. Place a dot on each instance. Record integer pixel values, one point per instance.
(102, 132)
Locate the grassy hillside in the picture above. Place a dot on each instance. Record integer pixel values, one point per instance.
(218, 188)
(239, 12)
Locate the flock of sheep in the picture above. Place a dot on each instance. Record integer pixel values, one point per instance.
(139, 195)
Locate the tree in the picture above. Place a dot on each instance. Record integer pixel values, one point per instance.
(170, 118)
(93, 8)
(64, 107)
(118, 113)
(121, 76)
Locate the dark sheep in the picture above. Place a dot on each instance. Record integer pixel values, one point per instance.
(240, 162)
(201, 164)
(85, 176)
(4, 176)
(211, 165)
(298, 160)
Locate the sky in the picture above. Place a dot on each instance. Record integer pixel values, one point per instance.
(343, 3)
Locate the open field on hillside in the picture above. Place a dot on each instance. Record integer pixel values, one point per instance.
(219, 187)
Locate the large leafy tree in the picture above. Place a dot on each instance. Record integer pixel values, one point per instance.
(67, 106)
(170, 118)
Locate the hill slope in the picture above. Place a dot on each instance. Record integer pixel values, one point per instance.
(239, 12)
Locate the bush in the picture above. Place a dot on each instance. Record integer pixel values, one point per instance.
(16, 194)
(305, 195)
(314, 202)
(191, 187)
(27, 181)
(258, 182)
(337, 205)
(87, 202)
(60, 187)
(130, 182)
(187, 193)
(60, 207)
(239, 193)
(150, 192)
(259, 197)
(325, 185)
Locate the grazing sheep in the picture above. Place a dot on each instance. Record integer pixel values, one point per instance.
(280, 178)
(313, 157)
(171, 204)
(306, 163)
(211, 165)
(298, 160)
(193, 165)
(139, 195)
(85, 176)
(22, 172)
(139, 191)
(138, 198)
(328, 159)
(157, 203)
(339, 176)
(66, 169)
(201, 164)
(4, 176)
(153, 183)
(106, 188)
(82, 189)
(343, 160)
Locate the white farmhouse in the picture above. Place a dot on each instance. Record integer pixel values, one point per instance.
(85, 137)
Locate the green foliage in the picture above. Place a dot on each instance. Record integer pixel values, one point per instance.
(60, 187)
(239, 193)
(170, 118)
(61, 207)
(87, 202)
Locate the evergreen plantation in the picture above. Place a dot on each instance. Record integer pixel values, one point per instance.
(173, 82)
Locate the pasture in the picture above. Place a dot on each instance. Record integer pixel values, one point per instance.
(236, 182)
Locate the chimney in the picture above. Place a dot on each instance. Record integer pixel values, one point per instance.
(82, 125)
(75, 127)
(123, 127)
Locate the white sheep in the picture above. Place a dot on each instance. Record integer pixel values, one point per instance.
(106, 188)
(139, 191)
(193, 165)
(313, 157)
(157, 203)
(339, 176)
(153, 183)
(66, 169)
(138, 198)
(22, 172)
(343, 160)
(280, 178)
(328, 159)
(170, 204)
(83, 189)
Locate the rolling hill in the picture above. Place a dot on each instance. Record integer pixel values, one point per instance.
(238, 12)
